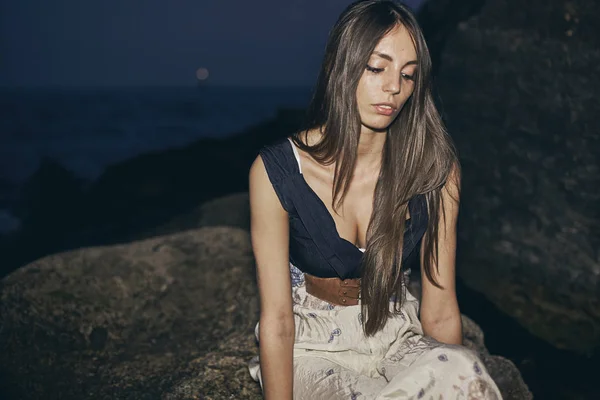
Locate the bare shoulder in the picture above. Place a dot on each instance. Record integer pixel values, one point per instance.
(264, 202)
(257, 169)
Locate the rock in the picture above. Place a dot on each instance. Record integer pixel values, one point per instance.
(8, 223)
(46, 205)
(503, 371)
(151, 189)
(8, 191)
(165, 318)
(128, 321)
(517, 90)
(48, 196)
(231, 210)
(439, 19)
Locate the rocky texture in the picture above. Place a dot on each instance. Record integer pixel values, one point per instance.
(132, 321)
(232, 210)
(519, 95)
(503, 371)
(439, 19)
(165, 318)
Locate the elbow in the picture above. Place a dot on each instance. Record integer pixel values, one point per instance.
(440, 322)
(446, 330)
(439, 312)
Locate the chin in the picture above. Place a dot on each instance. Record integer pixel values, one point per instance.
(379, 123)
(378, 126)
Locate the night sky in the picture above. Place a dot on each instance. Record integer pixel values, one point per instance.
(160, 42)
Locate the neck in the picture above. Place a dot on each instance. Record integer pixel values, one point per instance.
(370, 149)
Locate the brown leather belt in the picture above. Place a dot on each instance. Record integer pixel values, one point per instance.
(334, 290)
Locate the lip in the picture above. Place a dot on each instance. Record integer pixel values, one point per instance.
(385, 110)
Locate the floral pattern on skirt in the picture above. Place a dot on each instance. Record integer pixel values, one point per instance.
(333, 359)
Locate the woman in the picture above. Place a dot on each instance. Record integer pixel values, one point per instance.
(339, 212)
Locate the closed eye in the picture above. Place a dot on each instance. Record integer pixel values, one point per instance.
(373, 69)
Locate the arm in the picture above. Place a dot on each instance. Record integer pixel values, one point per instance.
(270, 243)
(440, 316)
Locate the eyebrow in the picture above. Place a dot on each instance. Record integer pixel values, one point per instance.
(389, 58)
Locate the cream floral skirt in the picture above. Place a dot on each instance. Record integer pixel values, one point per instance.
(333, 359)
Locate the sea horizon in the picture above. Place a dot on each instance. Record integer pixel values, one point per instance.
(86, 129)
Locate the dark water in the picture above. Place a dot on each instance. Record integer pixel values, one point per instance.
(87, 129)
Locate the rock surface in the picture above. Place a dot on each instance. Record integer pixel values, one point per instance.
(232, 210)
(170, 317)
(519, 95)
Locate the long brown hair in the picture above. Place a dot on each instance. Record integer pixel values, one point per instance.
(417, 149)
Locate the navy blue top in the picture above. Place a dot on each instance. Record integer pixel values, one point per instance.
(316, 247)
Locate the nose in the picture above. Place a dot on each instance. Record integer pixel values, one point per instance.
(392, 85)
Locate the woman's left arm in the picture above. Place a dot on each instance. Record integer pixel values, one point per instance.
(440, 315)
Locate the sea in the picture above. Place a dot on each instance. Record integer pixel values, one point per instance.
(87, 129)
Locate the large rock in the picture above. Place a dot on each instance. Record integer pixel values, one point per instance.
(232, 210)
(520, 97)
(131, 321)
(165, 318)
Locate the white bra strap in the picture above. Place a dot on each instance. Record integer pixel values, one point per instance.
(296, 154)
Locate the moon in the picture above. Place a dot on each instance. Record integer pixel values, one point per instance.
(202, 74)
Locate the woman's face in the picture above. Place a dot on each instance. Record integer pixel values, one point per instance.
(387, 80)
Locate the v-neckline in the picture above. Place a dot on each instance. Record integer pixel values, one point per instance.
(322, 203)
